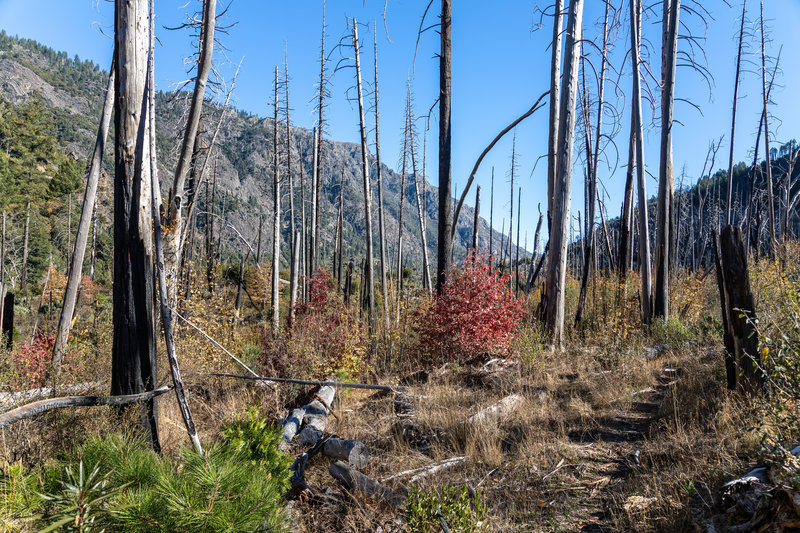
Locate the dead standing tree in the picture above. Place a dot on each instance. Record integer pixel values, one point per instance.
(174, 217)
(381, 217)
(370, 273)
(133, 361)
(426, 270)
(87, 212)
(276, 218)
(559, 230)
(445, 235)
(664, 217)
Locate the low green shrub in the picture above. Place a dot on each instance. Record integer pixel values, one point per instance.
(454, 505)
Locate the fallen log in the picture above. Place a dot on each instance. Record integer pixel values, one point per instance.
(301, 381)
(42, 406)
(352, 451)
(357, 482)
(315, 419)
(497, 410)
(11, 398)
(291, 425)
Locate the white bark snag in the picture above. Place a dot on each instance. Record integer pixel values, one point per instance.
(276, 220)
(381, 217)
(665, 179)
(87, 211)
(765, 93)
(729, 207)
(317, 179)
(644, 232)
(294, 277)
(174, 214)
(370, 272)
(555, 92)
(559, 230)
(166, 315)
(401, 210)
(352, 451)
(292, 221)
(426, 269)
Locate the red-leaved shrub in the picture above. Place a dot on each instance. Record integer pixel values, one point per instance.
(476, 313)
(30, 363)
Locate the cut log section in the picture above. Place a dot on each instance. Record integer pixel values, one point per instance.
(498, 410)
(358, 482)
(315, 419)
(291, 426)
(352, 451)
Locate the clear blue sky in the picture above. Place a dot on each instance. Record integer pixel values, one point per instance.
(500, 66)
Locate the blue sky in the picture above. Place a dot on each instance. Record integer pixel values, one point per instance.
(500, 67)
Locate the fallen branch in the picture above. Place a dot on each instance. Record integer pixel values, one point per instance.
(42, 406)
(428, 469)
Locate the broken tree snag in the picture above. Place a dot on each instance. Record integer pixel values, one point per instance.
(315, 418)
(8, 319)
(740, 311)
(730, 364)
(292, 425)
(358, 482)
(352, 451)
(498, 410)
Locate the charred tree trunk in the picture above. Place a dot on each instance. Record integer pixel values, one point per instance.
(445, 238)
(733, 113)
(133, 360)
(426, 269)
(317, 180)
(773, 240)
(476, 220)
(381, 221)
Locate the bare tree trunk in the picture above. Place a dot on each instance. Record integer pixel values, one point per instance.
(295, 274)
(133, 361)
(23, 284)
(516, 261)
(317, 180)
(87, 212)
(555, 96)
(511, 210)
(644, 232)
(292, 221)
(166, 314)
(529, 279)
(176, 196)
(381, 221)
(3, 268)
(401, 209)
(93, 256)
(665, 180)
(626, 223)
(559, 230)
(491, 220)
(733, 113)
(445, 237)
(773, 240)
(340, 242)
(591, 192)
(369, 271)
(312, 241)
(476, 220)
(426, 269)
(276, 221)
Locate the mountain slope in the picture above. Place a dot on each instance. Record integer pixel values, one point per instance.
(73, 90)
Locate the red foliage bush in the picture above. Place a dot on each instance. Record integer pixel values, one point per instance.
(30, 363)
(476, 312)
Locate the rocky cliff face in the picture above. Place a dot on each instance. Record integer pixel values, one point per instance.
(241, 161)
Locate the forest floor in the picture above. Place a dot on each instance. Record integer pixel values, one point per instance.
(642, 447)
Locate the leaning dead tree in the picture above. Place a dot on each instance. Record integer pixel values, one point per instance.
(370, 273)
(559, 229)
(174, 216)
(163, 293)
(81, 238)
(133, 357)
